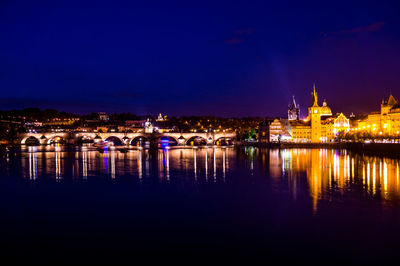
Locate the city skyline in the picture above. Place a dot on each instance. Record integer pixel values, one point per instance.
(220, 58)
(302, 107)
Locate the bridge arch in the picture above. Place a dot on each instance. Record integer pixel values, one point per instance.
(31, 141)
(166, 141)
(138, 141)
(196, 141)
(113, 140)
(56, 139)
(224, 141)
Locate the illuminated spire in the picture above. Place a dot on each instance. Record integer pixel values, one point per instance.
(314, 99)
(391, 100)
(293, 105)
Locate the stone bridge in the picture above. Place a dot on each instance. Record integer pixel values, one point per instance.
(210, 138)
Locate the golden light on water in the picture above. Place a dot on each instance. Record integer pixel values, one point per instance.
(330, 171)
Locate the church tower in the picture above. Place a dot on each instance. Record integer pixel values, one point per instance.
(294, 111)
(315, 115)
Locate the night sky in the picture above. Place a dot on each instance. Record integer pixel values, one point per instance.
(245, 58)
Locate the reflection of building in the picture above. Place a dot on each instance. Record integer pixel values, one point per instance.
(320, 125)
(387, 121)
(294, 111)
(330, 171)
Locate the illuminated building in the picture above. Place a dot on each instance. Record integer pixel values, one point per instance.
(148, 127)
(276, 130)
(160, 117)
(103, 116)
(279, 130)
(314, 114)
(387, 121)
(320, 125)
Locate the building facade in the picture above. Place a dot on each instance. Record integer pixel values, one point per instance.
(386, 121)
(279, 130)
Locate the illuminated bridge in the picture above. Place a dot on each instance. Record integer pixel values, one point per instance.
(129, 138)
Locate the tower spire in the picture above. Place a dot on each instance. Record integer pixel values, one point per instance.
(293, 102)
(294, 110)
(314, 99)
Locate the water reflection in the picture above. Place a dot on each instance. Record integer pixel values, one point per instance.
(139, 164)
(32, 163)
(330, 173)
(83, 162)
(58, 162)
(112, 162)
(321, 174)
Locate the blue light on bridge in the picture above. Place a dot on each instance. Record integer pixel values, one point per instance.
(164, 144)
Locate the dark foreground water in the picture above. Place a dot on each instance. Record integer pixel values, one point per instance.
(80, 206)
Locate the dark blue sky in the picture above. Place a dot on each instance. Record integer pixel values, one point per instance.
(244, 58)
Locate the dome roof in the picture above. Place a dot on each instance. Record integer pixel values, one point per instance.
(325, 110)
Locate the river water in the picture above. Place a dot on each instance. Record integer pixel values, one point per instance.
(318, 205)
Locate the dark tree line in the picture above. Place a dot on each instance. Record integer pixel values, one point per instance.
(34, 114)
